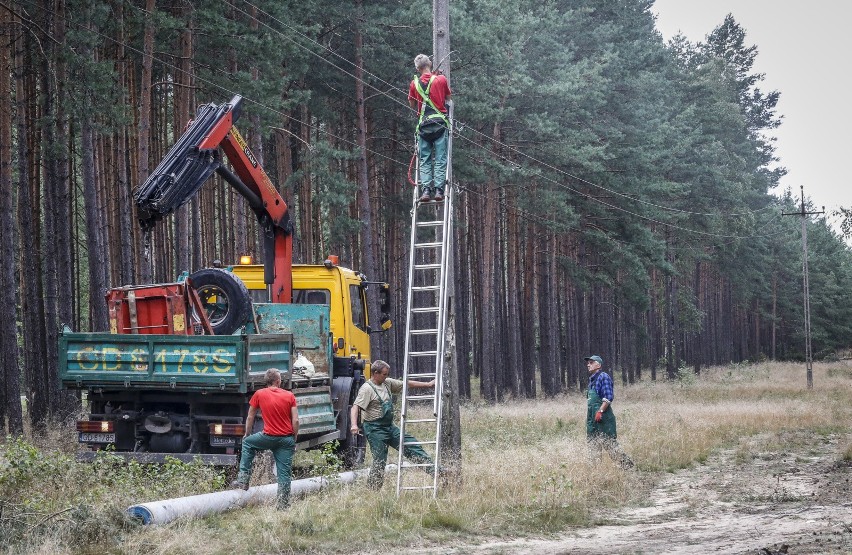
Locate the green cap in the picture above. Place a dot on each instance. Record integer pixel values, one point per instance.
(596, 358)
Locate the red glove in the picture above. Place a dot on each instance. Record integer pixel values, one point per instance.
(598, 416)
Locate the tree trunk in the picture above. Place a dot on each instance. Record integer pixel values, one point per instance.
(489, 300)
(671, 299)
(146, 259)
(94, 240)
(182, 114)
(10, 370)
(696, 354)
(463, 302)
(548, 324)
(368, 247)
(774, 311)
(32, 305)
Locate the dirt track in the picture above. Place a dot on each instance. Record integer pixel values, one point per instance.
(750, 499)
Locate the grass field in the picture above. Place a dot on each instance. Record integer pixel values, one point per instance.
(526, 472)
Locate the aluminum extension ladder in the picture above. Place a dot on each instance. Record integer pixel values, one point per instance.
(425, 325)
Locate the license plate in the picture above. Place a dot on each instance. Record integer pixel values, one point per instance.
(226, 441)
(86, 437)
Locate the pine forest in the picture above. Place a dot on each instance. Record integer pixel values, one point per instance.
(615, 193)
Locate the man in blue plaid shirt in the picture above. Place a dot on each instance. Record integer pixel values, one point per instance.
(600, 420)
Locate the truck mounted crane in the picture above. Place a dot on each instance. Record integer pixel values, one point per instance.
(174, 375)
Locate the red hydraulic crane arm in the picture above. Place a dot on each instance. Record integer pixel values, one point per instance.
(278, 245)
(191, 161)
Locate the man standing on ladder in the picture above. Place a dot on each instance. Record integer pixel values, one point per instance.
(375, 398)
(428, 94)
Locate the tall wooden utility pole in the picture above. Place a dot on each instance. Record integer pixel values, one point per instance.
(809, 363)
(451, 428)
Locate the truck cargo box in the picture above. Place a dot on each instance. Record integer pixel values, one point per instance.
(225, 363)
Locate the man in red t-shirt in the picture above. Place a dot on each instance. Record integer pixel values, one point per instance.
(432, 127)
(280, 426)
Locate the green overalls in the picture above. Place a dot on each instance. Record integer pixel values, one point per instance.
(606, 427)
(602, 435)
(382, 434)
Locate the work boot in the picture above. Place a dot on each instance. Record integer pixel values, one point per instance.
(236, 484)
(427, 195)
(439, 195)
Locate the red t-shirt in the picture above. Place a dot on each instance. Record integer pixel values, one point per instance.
(438, 93)
(275, 404)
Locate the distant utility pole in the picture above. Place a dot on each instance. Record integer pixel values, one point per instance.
(809, 362)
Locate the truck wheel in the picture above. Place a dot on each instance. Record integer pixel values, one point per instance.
(224, 297)
(352, 450)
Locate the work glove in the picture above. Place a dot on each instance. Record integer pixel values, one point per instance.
(598, 416)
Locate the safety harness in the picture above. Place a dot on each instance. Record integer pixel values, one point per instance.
(437, 114)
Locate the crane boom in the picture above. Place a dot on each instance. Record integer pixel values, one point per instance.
(191, 161)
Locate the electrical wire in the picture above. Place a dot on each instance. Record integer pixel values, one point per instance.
(487, 137)
(347, 141)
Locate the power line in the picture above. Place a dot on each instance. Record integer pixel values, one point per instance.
(347, 141)
(487, 137)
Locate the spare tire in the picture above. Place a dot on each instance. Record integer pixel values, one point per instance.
(224, 298)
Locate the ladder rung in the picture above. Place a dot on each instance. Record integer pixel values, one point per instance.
(421, 420)
(430, 223)
(425, 309)
(426, 288)
(421, 397)
(417, 465)
(427, 245)
(408, 443)
(427, 266)
(421, 375)
(423, 332)
(418, 487)
(422, 353)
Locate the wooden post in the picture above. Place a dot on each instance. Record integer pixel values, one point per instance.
(809, 363)
(451, 428)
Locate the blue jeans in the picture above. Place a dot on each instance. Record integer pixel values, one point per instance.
(434, 153)
(282, 448)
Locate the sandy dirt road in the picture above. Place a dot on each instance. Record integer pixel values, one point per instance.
(787, 493)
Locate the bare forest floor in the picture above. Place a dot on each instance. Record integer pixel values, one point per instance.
(773, 493)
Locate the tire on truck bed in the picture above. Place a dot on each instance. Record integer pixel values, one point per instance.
(224, 297)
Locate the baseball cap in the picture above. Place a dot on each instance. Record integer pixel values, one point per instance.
(596, 358)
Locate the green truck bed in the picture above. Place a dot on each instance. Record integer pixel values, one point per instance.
(204, 379)
(234, 363)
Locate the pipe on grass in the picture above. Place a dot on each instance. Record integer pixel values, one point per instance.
(194, 506)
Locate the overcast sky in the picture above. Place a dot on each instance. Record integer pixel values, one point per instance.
(804, 49)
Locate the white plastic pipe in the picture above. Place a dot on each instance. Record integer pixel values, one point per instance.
(161, 512)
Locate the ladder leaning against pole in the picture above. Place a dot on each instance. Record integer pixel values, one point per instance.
(425, 325)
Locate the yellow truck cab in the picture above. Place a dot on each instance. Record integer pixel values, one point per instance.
(342, 289)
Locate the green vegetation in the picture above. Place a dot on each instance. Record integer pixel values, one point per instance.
(526, 471)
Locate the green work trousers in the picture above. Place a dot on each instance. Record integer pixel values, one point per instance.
(382, 434)
(282, 448)
(433, 162)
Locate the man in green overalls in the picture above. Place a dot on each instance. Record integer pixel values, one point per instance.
(375, 398)
(600, 420)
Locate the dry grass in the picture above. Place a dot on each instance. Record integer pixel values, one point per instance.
(527, 470)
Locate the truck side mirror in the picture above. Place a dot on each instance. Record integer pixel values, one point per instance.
(384, 307)
(384, 299)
